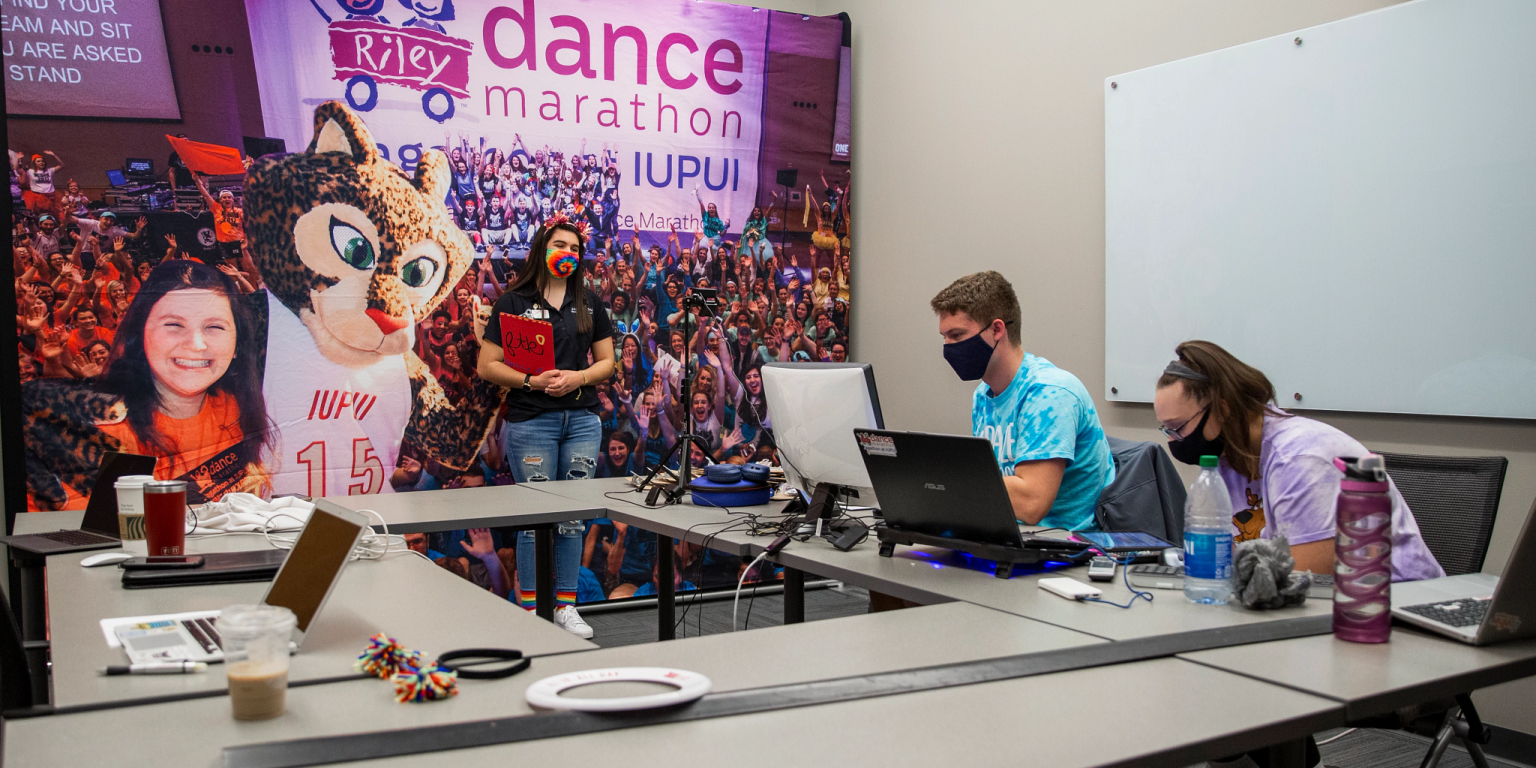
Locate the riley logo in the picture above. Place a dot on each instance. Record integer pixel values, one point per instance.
(933, 486)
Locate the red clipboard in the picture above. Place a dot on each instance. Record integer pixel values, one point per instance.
(527, 345)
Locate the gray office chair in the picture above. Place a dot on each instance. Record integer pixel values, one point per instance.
(1455, 500)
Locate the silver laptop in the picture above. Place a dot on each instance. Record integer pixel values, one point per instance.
(304, 583)
(1477, 608)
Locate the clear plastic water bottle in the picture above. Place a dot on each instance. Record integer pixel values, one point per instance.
(1362, 571)
(1208, 538)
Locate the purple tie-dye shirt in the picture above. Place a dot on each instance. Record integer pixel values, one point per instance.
(1298, 486)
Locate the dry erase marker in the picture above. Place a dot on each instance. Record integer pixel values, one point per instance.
(161, 668)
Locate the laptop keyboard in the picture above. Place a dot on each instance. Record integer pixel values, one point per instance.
(76, 538)
(1467, 612)
(204, 633)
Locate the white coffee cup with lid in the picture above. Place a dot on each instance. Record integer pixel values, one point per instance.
(130, 512)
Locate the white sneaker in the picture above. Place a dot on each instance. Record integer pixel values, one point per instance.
(568, 619)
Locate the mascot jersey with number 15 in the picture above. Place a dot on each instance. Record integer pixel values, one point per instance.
(354, 253)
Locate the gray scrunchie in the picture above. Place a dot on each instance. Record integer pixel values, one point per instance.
(1263, 577)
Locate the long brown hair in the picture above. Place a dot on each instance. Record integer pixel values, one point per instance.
(1236, 392)
(130, 377)
(536, 272)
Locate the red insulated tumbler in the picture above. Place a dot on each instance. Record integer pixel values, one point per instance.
(165, 517)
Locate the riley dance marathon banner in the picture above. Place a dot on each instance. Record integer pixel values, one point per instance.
(324, 342)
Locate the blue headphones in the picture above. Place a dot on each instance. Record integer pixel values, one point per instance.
(725, 474)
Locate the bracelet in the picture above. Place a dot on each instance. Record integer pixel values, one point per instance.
(508, 662)
(584, 381)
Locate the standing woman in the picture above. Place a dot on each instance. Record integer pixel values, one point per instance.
(553, 430)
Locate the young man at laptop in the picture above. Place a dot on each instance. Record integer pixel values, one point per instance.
(1042, 424)
(1044, 430)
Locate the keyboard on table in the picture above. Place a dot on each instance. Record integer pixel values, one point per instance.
(1467, 612)
(76, 538)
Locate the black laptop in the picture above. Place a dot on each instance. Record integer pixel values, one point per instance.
(98, 529)
(946, 490)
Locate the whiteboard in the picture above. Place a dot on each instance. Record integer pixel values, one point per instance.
(1354, 215)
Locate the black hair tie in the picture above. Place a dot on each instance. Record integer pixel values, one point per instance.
(460, 661)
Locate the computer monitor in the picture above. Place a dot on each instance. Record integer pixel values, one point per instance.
(814, 408)
(116, 178)
(139, 166)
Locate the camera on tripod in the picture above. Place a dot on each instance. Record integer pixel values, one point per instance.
(705, 301)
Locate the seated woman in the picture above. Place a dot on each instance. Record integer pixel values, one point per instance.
(1278, 467)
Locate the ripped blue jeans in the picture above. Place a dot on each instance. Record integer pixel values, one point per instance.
(555, 445)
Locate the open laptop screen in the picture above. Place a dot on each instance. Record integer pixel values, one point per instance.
(101, 508)
(314, 566)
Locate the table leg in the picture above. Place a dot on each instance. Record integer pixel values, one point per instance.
(794, 596)
(544, 565)
(33, 611)
(1288, 754)
(666, 590)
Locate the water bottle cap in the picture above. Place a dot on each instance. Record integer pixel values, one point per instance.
(1208, 461)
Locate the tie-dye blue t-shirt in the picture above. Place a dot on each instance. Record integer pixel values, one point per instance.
(1045, 413)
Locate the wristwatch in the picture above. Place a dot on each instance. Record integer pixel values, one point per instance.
(527, 387)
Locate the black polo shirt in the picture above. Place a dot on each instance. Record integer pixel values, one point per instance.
(571, 348)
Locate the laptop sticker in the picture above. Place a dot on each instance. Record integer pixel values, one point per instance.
(877, 445)
(1506, 622)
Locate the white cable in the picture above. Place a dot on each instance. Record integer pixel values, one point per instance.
(1336, 737)
(372, 546)
(736, 603)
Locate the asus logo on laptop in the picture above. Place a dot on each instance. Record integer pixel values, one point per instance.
(933, 486)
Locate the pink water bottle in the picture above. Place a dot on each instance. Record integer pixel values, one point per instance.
(1362, 570)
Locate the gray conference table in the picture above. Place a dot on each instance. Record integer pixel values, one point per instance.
(1368, 680)
(403, 595)
(924, 575)
(719, 529)
(503, 506)
(1128, 714)
(616, 499)
(1372, 680)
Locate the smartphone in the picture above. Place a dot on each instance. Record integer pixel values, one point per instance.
(161, 562)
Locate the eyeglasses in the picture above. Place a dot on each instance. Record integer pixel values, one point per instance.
(1175, 433)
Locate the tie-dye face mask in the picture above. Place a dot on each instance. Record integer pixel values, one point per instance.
(561, 263)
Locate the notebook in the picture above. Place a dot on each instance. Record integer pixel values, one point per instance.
(527, 345)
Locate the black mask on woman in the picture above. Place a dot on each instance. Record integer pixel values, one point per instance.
(1190, 449)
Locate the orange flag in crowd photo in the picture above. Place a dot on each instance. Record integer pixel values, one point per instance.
(212, 159)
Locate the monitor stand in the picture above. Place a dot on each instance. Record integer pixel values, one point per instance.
(831, 502)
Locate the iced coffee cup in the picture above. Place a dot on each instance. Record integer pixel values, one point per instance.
(256, 639)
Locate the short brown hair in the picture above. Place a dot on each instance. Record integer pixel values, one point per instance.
(984, 296)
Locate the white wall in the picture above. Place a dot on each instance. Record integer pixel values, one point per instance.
(979, 144)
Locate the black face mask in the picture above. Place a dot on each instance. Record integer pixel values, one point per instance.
(1190, 449)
